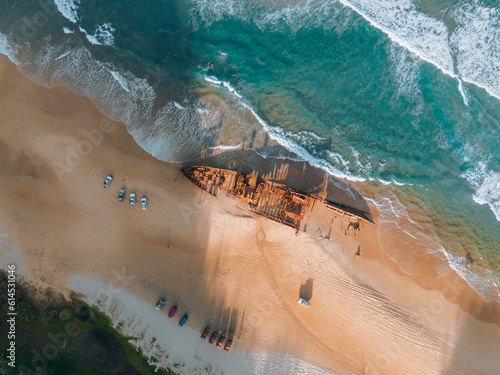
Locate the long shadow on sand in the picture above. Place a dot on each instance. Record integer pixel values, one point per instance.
(306, 290)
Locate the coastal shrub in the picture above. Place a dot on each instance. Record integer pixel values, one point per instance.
(48, 316)
(64, 315)
(27, 311)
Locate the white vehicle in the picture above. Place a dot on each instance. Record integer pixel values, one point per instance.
(132, 199)
(304, 302)
(107, 181)
(144, 203)
(160, 304)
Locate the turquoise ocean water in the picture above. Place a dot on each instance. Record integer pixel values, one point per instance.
(401, 98)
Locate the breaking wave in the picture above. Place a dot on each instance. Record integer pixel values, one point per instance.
(469, 52)
(68, 8)
(103, 35)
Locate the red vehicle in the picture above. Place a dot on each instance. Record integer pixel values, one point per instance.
(228, 345)
(221, 341)
(172, 312)
(205, 333)
(213, 337)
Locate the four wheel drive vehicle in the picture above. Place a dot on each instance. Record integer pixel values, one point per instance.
(132, 199)
(160, 304)
(121, 194)
(213, 337)
(221, 341)
(205, 333)
(172, 311)
(107, 181)
(228, 345)
(144, 203)
(304, 302)
(183, 320)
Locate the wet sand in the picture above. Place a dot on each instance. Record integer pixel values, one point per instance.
(216, 261)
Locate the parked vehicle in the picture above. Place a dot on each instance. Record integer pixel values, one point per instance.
(132, 199)
(205, 333)
(213, 337)
(107, 181)
(183, 320)
(228, 345)
(172, 312)
(304, 302)
(121, 194)
(144, 203)
(221, 341)
(160, 304)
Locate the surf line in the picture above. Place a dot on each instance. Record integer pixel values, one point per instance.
(396, 39)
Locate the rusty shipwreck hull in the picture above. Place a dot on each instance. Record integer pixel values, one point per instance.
(267, 198)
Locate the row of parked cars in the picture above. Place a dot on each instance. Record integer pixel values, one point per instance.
(121, 194)
(172, 312)
(220, 341)
(213, 337)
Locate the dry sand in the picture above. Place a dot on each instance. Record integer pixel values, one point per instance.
(224, 266)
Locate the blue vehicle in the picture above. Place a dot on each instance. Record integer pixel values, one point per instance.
(183, 320)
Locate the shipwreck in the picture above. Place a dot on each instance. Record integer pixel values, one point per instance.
(263, 197)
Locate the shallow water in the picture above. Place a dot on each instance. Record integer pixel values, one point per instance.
(400, 96)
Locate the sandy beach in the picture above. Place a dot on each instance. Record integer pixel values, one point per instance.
(225, 267)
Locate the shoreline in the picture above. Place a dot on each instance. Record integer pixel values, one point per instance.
(487, 286)
(217, 261)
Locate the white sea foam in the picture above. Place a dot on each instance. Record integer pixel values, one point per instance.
(487, 288)
(179, 106)
(403, 23)
(271, 14)
(474, 44)
(363, 168)
(429, 39)
(92, 39)
(488, 192)
(385, 182)
(104, 33)
(338, 159)
(406, 72)
(484, 181)
(68, 8)
(102, 36)
(277, 134)
(63, 55)
(394, 222)
(463, 92)
(227, 147)
(122, 81)
(293, 143)
(394, 216)
(95, 81)
(6, 49)
(228, 86)
(421, 34)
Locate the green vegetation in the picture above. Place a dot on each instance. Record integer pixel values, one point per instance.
(54, 336)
